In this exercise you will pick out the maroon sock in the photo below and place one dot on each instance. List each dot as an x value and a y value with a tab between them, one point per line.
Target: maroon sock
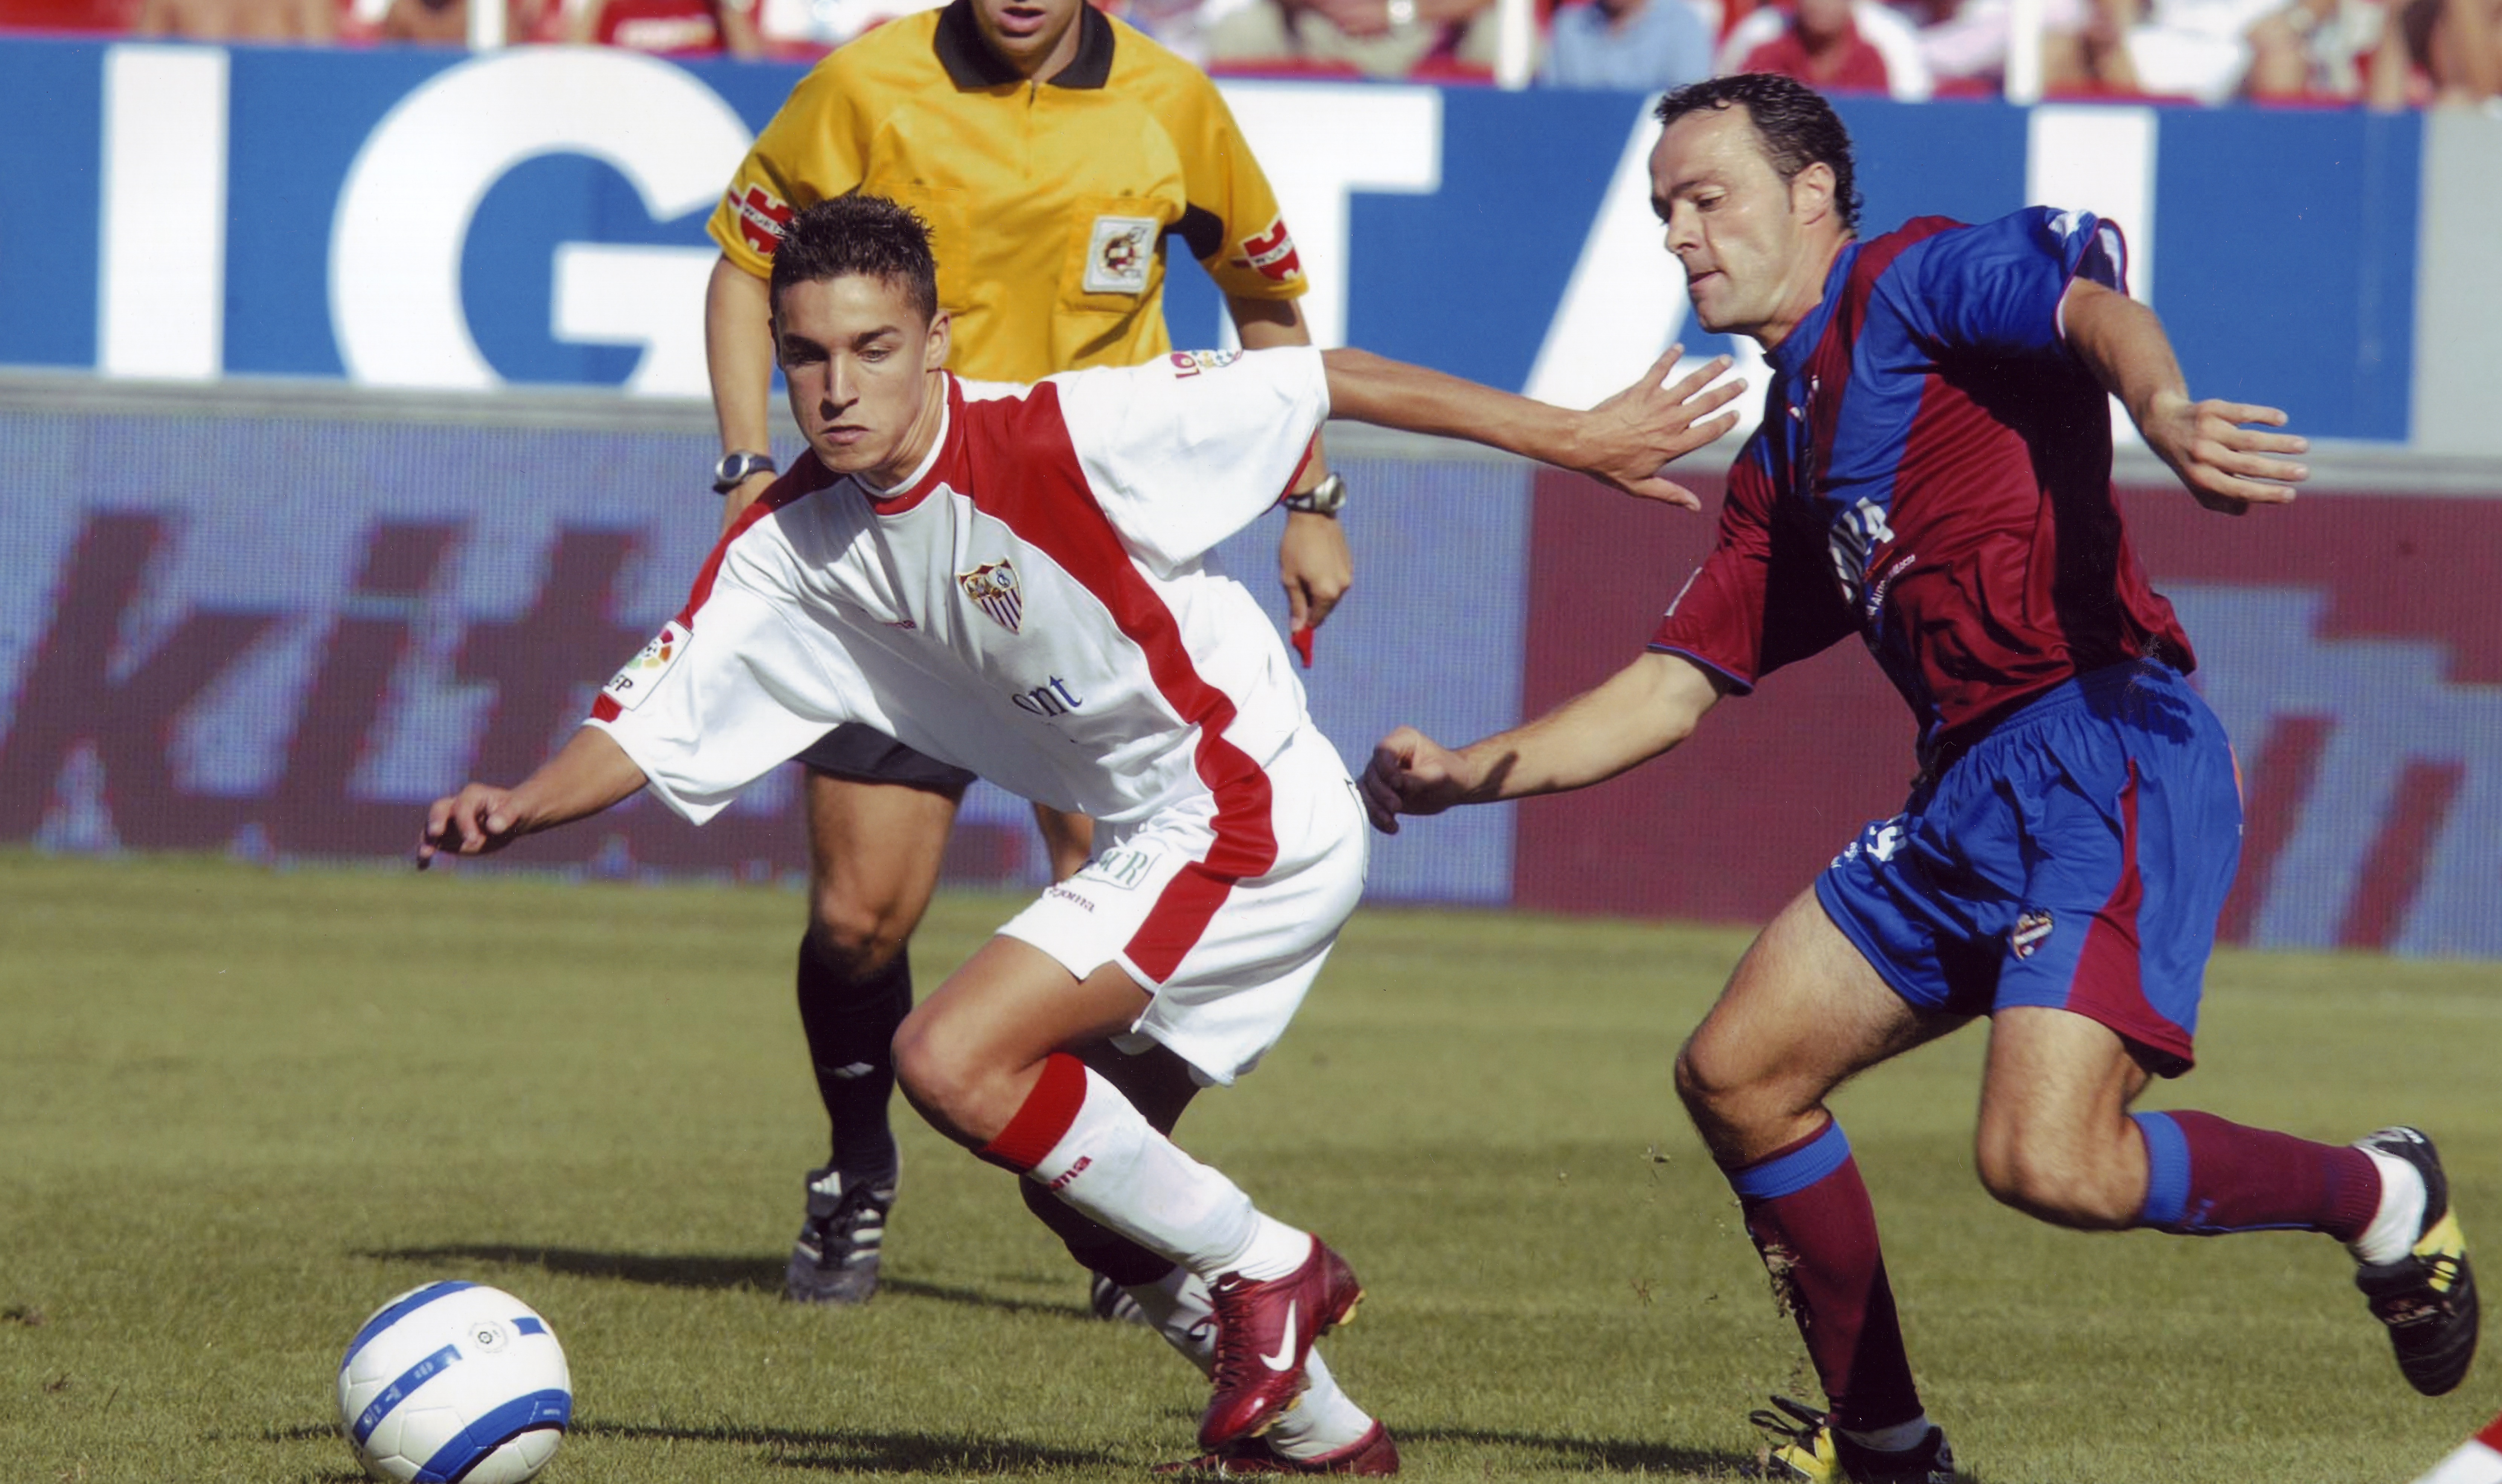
2206	1176
1811	1219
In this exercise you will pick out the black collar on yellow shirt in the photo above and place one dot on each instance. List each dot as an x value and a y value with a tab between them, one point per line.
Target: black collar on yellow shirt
970	62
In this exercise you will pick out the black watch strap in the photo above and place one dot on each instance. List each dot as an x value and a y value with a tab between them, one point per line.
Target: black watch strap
736	469
1322	499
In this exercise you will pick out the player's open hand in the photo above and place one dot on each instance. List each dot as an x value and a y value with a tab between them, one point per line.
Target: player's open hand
2225	465
1631	436
1411	773
476	821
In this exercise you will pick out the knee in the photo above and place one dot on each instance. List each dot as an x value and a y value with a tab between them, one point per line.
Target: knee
2067	1182
933	1071
854	936
1722	1095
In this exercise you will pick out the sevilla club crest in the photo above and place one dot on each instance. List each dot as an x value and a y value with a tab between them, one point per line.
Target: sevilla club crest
995	589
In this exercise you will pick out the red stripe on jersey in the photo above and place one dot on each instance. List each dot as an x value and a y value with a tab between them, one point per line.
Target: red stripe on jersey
806	477
1013	459
2492	1436
897	502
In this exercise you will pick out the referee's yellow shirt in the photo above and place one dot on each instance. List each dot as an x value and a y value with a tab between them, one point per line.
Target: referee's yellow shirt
1048	203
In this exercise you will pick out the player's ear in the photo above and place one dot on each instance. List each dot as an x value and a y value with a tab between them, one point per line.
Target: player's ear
1812	192
933	352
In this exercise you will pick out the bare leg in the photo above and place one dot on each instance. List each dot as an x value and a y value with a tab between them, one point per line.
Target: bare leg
1802	1014
2055	1140
1068	838
874	856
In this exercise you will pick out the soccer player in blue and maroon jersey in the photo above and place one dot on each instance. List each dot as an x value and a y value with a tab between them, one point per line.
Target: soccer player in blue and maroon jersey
1933	474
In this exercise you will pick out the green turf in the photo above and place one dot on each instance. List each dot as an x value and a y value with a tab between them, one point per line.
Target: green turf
239	1108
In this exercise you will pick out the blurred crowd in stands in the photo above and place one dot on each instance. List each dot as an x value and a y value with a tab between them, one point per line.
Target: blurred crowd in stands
2387	55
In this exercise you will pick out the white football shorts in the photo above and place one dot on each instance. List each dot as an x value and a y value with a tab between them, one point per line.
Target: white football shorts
1247	952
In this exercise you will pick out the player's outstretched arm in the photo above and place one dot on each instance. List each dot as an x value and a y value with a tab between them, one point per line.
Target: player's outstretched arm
589	773
2226	465
1636	713
1313	560
1624	441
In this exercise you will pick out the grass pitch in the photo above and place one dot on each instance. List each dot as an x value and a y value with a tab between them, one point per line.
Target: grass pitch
240	1108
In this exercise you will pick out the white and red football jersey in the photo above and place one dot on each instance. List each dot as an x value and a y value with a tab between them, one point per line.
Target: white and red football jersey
1034	604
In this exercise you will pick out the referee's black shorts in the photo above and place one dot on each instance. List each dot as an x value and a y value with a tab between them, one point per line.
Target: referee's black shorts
867	755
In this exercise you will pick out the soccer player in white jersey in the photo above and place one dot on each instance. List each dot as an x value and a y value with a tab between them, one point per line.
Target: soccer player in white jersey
1013	579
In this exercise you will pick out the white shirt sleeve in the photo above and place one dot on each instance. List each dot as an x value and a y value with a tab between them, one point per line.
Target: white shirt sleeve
1185	451
714	704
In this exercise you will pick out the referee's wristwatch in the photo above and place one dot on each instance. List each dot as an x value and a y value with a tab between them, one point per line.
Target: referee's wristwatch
1322	499
736	469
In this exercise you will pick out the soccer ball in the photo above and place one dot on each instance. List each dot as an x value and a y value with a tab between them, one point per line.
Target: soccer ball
455	1381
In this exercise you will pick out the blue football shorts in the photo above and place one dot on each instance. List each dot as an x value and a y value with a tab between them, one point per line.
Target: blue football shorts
2077	857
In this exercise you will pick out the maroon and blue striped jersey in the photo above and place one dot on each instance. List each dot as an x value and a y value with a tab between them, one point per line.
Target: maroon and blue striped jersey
1933	471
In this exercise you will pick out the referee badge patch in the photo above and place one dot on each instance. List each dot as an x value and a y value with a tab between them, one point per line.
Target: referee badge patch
629	685
1118	255
994	588
2031	930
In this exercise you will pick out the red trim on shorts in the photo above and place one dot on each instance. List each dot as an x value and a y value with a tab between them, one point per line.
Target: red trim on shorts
1044	1117
1019	464
2492	1436
2108	986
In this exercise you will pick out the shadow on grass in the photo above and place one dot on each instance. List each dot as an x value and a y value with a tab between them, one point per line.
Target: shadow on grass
715	1273
761	1274
1596	1455
881	1452
941	1454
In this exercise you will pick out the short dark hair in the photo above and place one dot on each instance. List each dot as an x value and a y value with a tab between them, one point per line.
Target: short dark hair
1797	127
857	233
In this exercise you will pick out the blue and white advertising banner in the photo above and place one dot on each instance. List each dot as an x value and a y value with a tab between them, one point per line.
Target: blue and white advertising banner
418	218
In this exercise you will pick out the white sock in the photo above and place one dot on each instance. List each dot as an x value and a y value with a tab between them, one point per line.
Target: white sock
1113	1166
2399	1221
1324	1421
1901	1438
1177	1307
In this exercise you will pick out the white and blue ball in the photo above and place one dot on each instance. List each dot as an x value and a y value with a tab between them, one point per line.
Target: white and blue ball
455	1382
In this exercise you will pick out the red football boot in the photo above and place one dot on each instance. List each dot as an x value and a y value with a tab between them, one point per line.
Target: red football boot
1374	1455
1264	1330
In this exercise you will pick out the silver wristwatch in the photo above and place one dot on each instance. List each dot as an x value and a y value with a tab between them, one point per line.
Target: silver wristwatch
1322	499
736	469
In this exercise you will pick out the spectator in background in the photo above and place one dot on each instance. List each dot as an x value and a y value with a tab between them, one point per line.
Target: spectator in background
1375	38
2216	50
1832	45
1965	45
1639	45
2437	51
813	27
678	27
446	23
261	20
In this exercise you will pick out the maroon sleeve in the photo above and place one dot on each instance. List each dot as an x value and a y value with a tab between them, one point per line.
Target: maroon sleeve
1763	598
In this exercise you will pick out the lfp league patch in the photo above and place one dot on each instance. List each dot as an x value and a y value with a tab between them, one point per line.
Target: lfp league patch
642	673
